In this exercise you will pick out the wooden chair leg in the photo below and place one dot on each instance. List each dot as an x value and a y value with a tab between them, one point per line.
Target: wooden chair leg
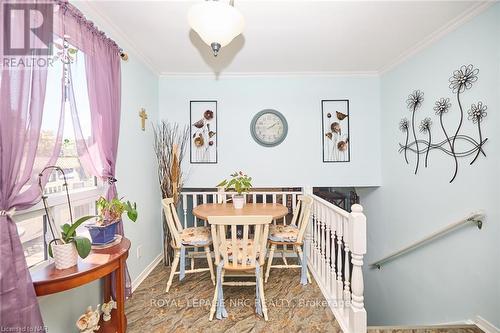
270	261
299	253
214	301
263	297
210	264
283	255
175	263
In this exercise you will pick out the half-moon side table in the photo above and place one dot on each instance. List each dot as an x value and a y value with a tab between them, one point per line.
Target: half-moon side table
99	264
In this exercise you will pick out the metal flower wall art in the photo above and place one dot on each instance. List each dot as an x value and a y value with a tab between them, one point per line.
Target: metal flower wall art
455	144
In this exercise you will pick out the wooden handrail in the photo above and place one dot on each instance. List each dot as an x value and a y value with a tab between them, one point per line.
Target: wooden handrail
473	217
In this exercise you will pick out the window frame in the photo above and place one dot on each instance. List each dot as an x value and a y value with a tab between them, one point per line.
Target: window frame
55	201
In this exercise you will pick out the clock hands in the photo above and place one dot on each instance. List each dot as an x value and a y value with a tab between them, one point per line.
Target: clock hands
272	125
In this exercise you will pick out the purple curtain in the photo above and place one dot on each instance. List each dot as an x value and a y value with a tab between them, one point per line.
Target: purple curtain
22	96
103	75
98	153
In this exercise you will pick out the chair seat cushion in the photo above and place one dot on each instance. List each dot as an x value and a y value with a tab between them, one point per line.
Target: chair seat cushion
229	247
196	236
283	233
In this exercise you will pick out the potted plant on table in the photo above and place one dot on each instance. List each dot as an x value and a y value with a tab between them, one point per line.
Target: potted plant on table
239	182
66	249
110	213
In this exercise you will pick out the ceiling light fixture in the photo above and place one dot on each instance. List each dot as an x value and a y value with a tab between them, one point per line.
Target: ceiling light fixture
216	22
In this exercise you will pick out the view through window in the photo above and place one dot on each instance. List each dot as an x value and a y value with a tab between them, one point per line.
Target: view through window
33	228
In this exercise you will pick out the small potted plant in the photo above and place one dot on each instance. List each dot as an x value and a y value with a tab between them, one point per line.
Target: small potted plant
66	249
239	182
110	213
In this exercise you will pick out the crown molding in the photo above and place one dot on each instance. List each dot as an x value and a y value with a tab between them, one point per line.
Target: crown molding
128	45
268	74
452	25
474	10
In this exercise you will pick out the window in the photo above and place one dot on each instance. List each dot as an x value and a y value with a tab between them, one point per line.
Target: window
84	189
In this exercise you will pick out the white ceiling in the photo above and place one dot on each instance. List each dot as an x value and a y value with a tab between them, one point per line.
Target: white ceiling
287	36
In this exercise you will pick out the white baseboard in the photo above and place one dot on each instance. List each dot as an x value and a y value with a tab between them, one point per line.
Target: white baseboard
486	325
144	274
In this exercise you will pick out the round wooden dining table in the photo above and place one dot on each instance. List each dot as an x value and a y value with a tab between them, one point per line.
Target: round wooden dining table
275	210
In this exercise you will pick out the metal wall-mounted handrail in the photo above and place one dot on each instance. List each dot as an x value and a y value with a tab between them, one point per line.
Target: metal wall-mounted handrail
476	218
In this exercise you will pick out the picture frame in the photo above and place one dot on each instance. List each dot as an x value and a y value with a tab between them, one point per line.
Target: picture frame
203	132
335	131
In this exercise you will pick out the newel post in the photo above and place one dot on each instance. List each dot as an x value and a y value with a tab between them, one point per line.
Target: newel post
357	242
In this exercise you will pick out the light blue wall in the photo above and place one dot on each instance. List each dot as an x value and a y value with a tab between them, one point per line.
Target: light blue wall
137	181
296	161
457	277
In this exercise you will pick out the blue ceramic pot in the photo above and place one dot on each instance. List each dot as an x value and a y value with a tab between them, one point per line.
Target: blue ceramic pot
102	234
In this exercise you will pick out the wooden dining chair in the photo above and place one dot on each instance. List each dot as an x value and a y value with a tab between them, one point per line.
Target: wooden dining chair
183	238
242	254
291	234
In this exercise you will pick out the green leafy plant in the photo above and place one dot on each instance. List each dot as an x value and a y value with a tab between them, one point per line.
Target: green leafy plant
68	235
111	210
239	181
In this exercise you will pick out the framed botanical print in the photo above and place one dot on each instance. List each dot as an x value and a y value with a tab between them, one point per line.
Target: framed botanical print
335	130
203	139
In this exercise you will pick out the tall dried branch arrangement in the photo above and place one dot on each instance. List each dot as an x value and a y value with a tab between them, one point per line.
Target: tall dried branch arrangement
170	143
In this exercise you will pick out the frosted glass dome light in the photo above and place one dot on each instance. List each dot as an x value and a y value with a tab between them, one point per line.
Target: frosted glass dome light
217	23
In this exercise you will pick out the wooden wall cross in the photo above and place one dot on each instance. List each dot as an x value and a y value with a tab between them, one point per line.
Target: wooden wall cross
143	115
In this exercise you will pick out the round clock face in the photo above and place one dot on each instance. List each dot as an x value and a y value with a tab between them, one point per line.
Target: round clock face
269	128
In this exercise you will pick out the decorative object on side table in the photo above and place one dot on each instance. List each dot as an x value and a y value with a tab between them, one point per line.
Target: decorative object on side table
106	310
89	321
66	246
335	130
66	249
203	124
170	144
239	182
461	80
103	231
269	128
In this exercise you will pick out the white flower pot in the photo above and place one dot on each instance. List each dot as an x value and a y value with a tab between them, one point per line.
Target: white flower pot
65	255
238	201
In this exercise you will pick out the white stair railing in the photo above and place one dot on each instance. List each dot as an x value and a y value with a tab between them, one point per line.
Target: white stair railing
337	243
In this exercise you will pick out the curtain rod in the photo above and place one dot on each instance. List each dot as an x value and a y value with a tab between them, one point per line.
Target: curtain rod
80	17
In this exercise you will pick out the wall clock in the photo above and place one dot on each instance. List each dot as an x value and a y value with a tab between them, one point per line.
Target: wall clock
269	128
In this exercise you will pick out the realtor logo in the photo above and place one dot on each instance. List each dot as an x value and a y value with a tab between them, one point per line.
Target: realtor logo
28	29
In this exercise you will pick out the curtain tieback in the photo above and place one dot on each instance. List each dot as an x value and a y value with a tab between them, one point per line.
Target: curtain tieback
8	213
112	180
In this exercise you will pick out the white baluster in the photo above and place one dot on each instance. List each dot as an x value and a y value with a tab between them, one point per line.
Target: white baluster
204	202
283	200
184	208
357	234
340	287
332	273
195	203
221	196
323	235
318	240
313	233
328	251
347	283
